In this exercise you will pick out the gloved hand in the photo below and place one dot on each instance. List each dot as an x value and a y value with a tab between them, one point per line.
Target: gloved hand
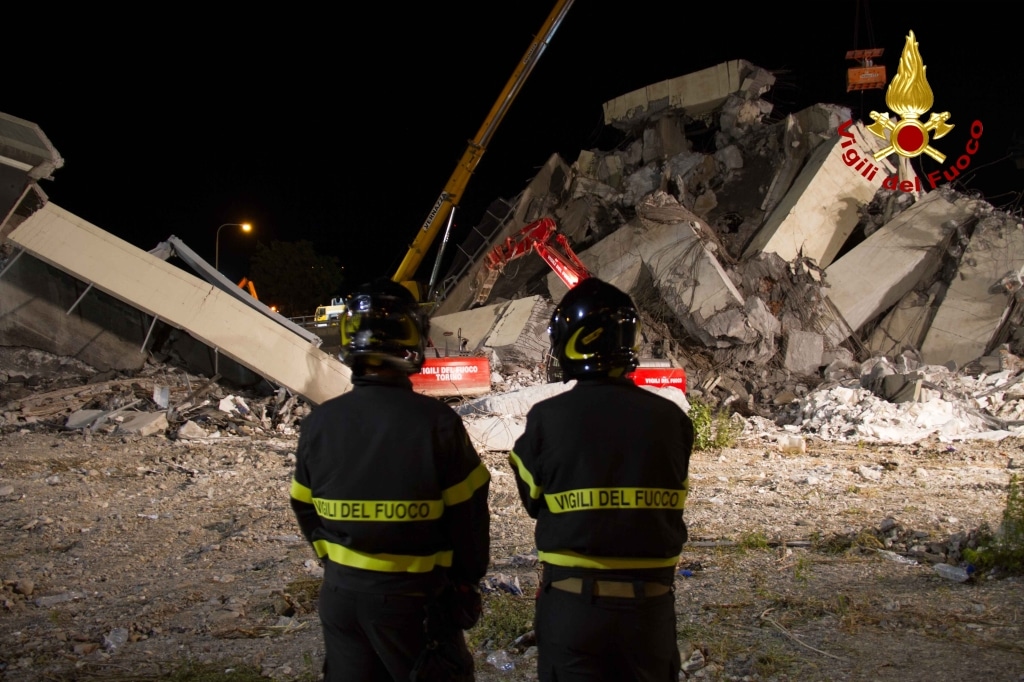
455	608
466	606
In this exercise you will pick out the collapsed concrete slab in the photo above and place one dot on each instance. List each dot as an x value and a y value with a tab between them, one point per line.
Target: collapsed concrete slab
697	93
682	266
879	271
904	326
820	211
165	292
978	300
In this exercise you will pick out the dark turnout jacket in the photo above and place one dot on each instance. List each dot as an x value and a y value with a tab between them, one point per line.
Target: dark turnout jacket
389	490
603	468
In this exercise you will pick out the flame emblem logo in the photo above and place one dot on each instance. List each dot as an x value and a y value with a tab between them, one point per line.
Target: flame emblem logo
910	96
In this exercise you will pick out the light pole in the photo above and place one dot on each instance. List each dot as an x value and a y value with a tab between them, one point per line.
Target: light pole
216	245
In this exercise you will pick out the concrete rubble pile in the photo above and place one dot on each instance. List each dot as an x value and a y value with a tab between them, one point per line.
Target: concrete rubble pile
773	258
41	389
767	264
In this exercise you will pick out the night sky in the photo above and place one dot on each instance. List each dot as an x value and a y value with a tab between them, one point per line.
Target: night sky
342	126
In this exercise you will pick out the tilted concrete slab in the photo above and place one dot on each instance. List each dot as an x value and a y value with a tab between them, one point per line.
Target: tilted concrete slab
879	271
117	268
473	325
697	93
521	333
975	305
820	210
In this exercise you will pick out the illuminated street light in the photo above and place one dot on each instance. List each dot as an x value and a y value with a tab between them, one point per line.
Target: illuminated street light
246	227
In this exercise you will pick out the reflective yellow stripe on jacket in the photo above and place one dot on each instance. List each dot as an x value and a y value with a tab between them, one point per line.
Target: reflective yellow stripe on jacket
389	511
387	563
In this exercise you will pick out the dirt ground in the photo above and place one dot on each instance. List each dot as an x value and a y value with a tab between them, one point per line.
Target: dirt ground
801	566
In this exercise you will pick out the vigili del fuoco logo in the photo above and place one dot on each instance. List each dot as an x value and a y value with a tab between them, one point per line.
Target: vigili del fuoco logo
910	97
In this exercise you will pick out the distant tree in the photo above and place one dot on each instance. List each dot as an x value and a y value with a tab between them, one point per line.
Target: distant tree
294	277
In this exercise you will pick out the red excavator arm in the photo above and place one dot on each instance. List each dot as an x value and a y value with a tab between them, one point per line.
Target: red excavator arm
537	236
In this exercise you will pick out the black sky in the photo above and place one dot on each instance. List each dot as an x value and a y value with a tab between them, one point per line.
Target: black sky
341	127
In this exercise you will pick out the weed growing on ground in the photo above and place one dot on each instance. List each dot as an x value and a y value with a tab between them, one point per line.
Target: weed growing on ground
713	428
505	618
753	540
1003	550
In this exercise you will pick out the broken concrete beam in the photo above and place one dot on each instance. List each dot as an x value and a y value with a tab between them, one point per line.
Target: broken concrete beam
684	269
144	424
803	132
696	93
103	332
520	334
820	210
804	352
879	271
975	305
904	326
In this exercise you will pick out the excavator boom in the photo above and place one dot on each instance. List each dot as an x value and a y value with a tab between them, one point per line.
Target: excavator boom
453	190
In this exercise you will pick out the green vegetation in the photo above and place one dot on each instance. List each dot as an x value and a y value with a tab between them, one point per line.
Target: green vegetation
753	540
1003	551
713	428
505	618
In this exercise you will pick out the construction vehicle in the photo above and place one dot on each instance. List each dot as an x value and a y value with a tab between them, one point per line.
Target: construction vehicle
537	237
247	284
327	315
460	375
443	209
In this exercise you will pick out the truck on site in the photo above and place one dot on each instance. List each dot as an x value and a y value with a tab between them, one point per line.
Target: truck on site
327	315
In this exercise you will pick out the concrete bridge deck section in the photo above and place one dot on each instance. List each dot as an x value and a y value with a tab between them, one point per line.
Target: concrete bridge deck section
182	300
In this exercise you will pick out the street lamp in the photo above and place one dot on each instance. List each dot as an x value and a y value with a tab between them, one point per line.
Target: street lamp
246	227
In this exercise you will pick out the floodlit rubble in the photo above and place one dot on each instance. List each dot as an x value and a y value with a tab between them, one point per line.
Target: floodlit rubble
774	258
145	499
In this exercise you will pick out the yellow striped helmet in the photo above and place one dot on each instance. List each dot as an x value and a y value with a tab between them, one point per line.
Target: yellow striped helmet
595	331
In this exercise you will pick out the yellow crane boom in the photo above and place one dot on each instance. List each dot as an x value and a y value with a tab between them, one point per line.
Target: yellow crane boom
453	190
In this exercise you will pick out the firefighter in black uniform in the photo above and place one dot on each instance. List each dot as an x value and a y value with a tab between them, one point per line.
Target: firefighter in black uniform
392	496
603	469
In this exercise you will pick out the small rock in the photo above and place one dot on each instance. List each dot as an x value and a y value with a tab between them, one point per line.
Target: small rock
190	430
695	662
869	473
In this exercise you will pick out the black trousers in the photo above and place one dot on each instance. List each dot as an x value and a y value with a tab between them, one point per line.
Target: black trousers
373	637
581	638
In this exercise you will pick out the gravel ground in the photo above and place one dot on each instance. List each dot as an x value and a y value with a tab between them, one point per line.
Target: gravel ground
814	565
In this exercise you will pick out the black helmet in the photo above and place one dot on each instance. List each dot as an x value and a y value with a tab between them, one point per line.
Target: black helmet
383	327
595	331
